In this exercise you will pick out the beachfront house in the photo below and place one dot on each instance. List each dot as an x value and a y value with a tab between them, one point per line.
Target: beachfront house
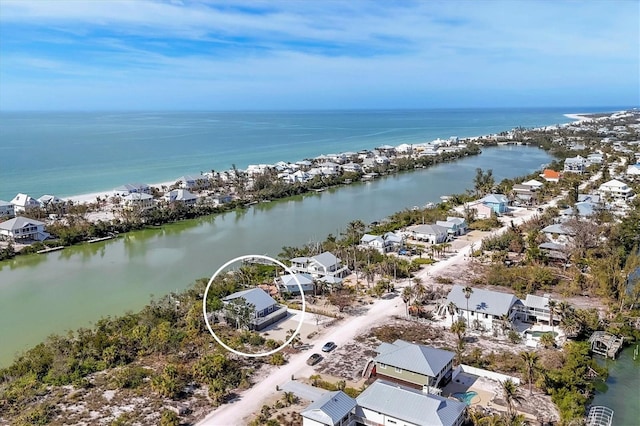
455	225
132	188
577	164
615	190
413	365
331	409
180	196
287	283
433	234
188	181
484	308
264	309
390	404
498	203
138	200
6	209
321	266
23	202
23	230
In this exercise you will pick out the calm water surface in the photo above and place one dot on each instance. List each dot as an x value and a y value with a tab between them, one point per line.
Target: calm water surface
44	294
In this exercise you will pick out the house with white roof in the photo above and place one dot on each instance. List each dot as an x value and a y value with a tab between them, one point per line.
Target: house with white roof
633	170
138	200
49	201
352	168
577	164
321	266
181	196
6	209
536	309
483	307
412	365
23	229
132	188
386	403
615	190
188	181
23	202
533	184
331	409
432	233
287	283
382	243
265	310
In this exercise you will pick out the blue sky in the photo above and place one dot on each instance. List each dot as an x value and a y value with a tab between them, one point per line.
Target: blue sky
260	55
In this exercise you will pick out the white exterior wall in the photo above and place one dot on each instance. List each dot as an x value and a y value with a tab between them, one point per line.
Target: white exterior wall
309	422
463	368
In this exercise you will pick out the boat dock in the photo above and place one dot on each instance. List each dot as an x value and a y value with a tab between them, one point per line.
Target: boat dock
50	249
600	415
97	240
605	344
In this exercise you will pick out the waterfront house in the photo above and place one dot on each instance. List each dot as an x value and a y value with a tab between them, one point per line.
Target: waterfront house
615	190
382	243
323	265
454	225
287	283
48	201
181	196
132	188
22	202
577	164
331	409
550	175
22	229
6	209
138	200
484	308
536	309
386	403
558	233
434	234
265	310
533	184
413	365
188	182
352	168
497	202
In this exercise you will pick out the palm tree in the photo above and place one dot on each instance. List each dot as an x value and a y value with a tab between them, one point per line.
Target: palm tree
452	309
459	327
510	394
553	305
530	364
407	294
467	294
289	398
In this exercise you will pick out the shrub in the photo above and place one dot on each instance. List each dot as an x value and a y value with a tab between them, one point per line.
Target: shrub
277	359
169	418
514	336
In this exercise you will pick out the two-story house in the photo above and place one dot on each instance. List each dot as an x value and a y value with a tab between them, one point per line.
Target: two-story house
382	243
23	229
23	202
454	225
331	409
615	190
412	365
484	307
181	196
6	209
498	202
323	265
577	164
432	233
264	309
289	283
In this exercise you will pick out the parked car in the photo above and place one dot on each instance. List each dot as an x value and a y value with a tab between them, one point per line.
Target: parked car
329	346
403	252
314	359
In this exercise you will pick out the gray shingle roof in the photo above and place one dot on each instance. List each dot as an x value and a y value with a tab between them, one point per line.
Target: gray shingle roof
429	229
410	405
255	296
411	357
484	301
330	408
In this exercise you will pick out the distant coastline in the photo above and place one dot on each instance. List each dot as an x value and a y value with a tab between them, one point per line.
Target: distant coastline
83	155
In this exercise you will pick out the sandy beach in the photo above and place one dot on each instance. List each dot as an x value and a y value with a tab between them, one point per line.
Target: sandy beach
578	118
91	196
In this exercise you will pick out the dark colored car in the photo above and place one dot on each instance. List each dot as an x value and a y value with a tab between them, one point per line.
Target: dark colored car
314	359
328	347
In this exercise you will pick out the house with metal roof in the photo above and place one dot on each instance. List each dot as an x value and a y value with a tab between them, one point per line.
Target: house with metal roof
22	202
615	190
484	308
331	409
577	164
181	196
287	283
264	309
23	229
6	209
454	225
323	265
386	403
558	233
498	202
536	308
413	365
382	243
131	188
431	233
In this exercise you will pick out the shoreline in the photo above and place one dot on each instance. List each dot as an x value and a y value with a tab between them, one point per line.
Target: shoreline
90	197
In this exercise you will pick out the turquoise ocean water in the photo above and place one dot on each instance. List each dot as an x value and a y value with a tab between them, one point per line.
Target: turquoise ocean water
72	153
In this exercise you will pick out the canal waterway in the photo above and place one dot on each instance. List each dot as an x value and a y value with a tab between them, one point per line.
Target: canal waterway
52	293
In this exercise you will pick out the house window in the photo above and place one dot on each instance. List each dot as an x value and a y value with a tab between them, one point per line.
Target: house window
486	315
398	370
383	366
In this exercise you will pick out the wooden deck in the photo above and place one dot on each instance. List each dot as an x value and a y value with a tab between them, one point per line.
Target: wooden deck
605	344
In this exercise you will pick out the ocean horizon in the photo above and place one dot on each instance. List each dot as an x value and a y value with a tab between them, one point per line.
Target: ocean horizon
72	153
